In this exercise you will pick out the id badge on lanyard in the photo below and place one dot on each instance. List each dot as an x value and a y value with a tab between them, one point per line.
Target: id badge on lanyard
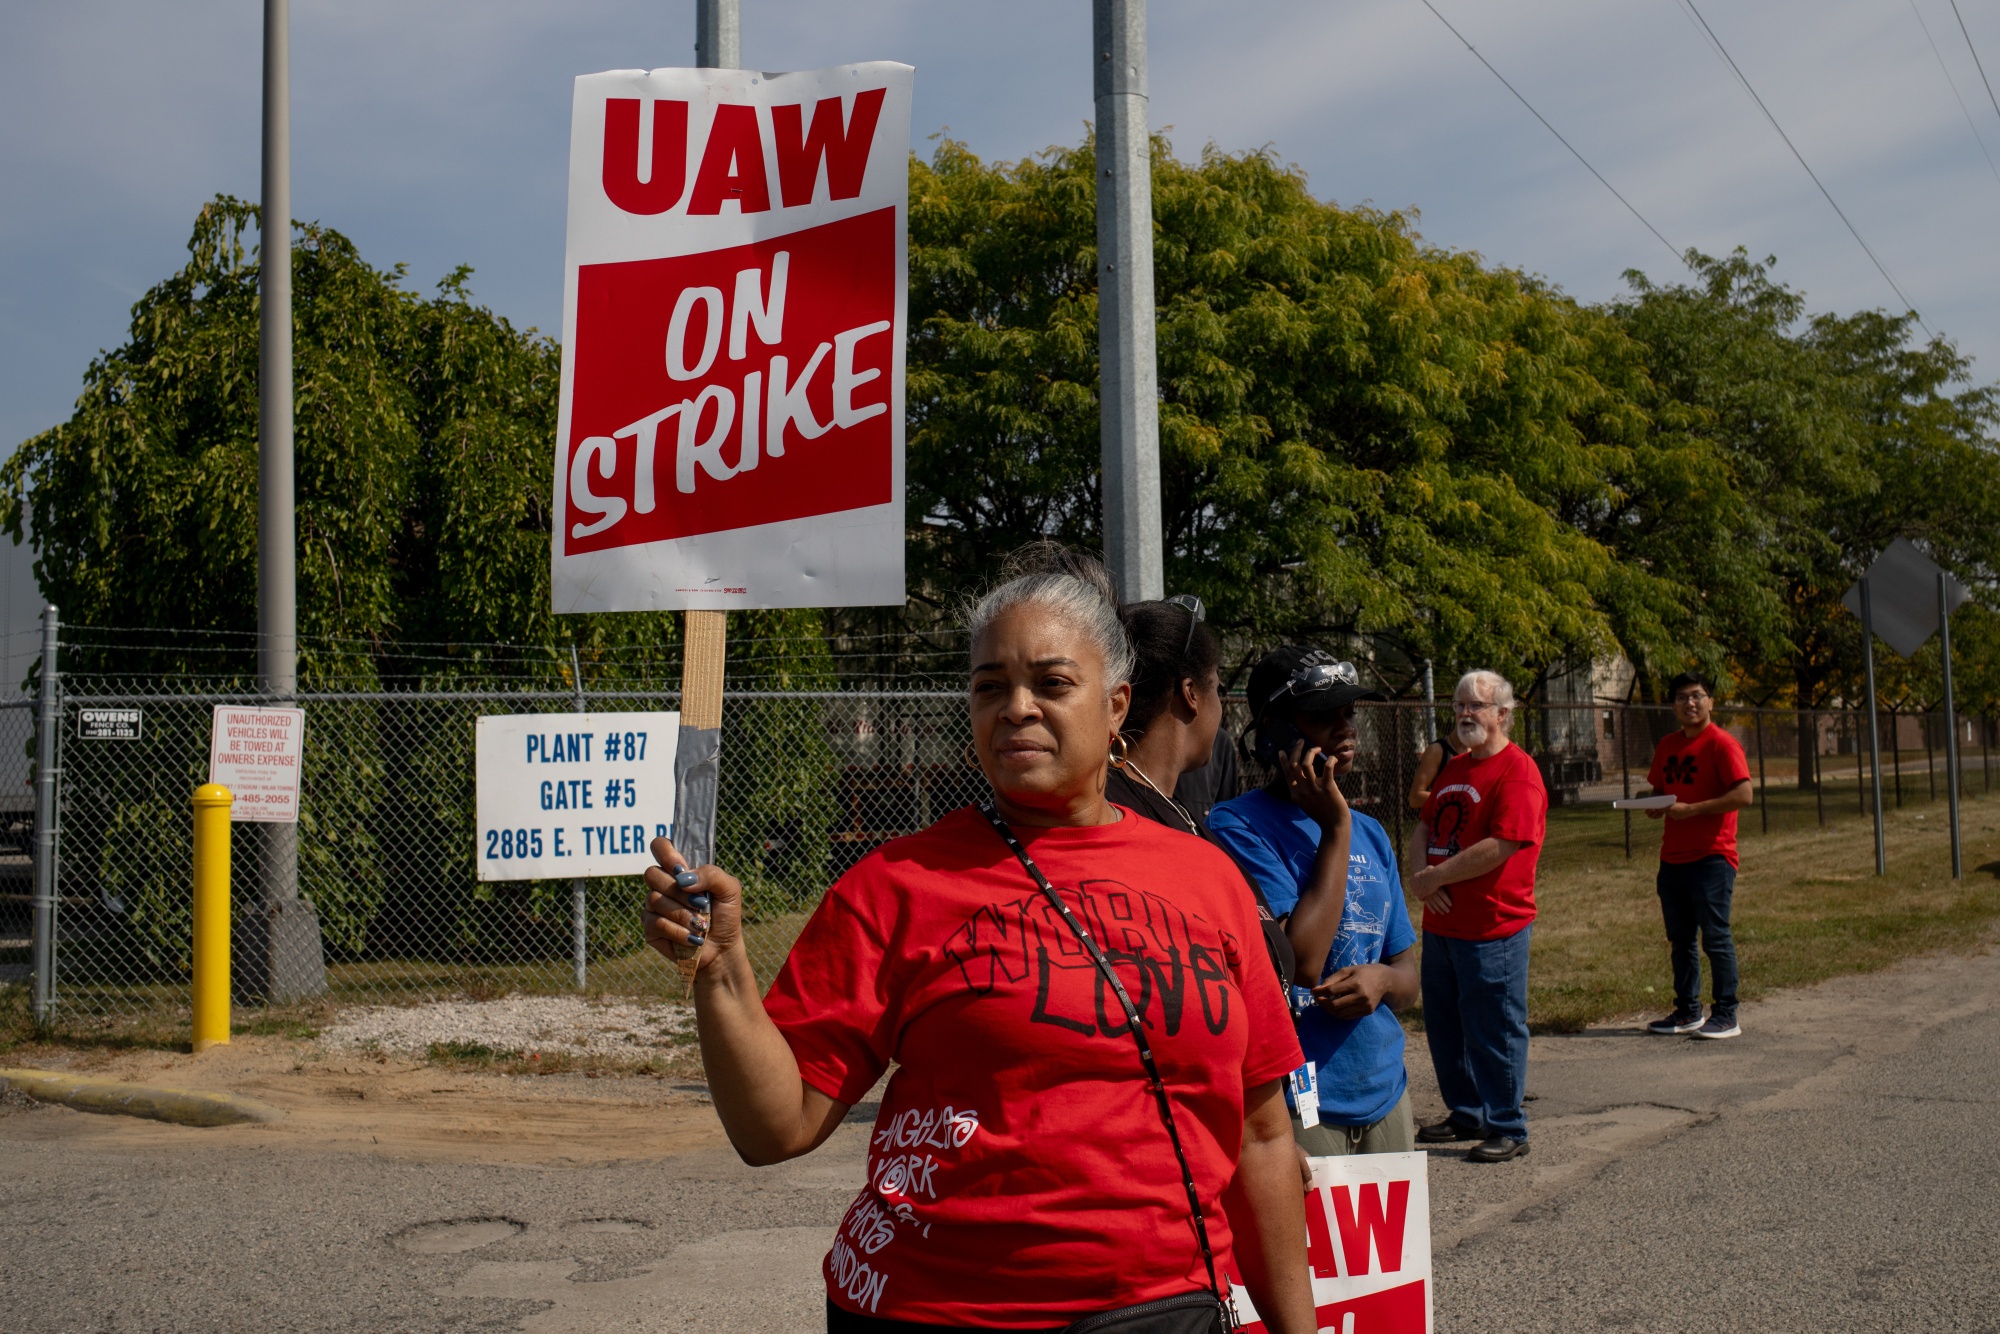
1302	1091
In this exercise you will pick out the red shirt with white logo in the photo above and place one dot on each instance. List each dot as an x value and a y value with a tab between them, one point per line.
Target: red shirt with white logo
1698	770
1020	1175
1472	800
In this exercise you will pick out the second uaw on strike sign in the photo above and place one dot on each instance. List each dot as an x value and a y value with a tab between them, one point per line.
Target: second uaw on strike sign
731	428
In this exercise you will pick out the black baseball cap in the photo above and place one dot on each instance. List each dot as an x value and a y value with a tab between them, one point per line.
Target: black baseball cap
1304	680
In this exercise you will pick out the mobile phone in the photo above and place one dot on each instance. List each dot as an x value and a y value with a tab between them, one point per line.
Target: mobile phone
1275	736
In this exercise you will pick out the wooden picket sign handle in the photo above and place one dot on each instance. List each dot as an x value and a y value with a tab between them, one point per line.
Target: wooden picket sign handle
702	637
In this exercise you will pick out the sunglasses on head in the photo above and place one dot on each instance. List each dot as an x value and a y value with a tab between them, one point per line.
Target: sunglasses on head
1196	614
1314	677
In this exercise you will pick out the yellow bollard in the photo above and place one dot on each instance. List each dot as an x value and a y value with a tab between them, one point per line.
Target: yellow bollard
211	915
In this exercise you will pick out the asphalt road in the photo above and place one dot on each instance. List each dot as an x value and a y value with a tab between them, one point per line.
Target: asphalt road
1834	1169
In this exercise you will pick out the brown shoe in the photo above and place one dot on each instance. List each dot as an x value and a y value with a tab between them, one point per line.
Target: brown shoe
1497	1149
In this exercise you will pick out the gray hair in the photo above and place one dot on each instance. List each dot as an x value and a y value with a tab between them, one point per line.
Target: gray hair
1068	585
1499	690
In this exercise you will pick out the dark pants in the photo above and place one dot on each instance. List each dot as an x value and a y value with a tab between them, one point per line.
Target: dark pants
1476	1021
1694	896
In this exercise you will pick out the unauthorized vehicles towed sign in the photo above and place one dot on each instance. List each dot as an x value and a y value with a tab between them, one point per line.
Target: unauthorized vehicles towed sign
730	431
573	794
256	754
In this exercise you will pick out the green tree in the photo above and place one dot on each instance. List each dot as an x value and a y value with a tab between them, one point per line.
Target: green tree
1361	435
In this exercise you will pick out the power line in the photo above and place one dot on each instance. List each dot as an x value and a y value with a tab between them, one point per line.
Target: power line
1557	133
1953	83
1975	57
1852	230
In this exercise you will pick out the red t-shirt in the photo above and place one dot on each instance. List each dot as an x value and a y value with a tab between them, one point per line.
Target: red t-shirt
1698	770
1020	1175
1474	799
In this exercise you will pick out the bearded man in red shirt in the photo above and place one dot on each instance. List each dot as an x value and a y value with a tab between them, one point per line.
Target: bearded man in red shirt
1704	769
1478	840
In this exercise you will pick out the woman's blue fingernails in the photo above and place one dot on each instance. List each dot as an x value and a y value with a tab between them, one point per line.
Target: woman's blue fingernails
685	878
699	902
695	940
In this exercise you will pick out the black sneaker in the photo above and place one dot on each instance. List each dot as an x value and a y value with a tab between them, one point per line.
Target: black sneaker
1497	1149
1445	1131
1720	1027
1680	1021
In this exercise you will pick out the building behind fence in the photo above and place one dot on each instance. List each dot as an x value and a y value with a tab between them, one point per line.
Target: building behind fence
811	781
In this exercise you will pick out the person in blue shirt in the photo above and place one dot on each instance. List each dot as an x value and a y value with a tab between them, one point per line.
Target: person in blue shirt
1330	874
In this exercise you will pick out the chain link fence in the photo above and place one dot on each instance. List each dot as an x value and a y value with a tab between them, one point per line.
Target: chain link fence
811	781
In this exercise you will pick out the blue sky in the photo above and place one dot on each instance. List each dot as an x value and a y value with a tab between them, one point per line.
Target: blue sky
434	133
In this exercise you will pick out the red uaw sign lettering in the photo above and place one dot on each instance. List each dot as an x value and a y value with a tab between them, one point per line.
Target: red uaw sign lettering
1368	1245
731	422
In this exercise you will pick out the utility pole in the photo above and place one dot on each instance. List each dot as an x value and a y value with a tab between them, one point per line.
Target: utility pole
1128	372
718	34
292	958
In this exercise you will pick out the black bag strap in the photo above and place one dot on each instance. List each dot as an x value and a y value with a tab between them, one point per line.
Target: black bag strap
1138	1030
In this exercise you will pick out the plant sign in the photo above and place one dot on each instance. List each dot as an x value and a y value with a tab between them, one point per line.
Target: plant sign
730	433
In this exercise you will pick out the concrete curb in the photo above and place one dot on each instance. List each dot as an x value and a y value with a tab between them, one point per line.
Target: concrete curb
181	1107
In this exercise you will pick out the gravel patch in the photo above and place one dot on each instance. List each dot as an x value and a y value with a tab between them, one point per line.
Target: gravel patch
568	1024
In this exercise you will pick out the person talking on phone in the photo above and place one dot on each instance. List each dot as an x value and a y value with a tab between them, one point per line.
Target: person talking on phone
1330	872
1089	1056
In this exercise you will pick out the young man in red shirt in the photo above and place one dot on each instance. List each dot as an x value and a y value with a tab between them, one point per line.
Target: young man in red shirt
1478	839
1704	769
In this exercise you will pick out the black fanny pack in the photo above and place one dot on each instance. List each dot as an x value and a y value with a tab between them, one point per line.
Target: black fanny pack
1185	1313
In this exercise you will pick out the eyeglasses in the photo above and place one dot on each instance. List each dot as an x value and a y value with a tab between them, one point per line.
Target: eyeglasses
1475	706
1196	614
1691	697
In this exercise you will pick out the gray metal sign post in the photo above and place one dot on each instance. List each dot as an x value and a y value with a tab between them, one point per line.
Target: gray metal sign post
1128	372
1874	727
718	34
1950	723
293	963
1917	599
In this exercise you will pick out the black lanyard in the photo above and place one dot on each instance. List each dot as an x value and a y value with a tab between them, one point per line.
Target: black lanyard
1138	1030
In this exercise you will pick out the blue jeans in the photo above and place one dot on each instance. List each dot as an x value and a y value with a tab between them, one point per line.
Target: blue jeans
1694	896
1476	1021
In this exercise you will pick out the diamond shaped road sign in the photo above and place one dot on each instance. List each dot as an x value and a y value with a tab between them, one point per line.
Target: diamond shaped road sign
1903	597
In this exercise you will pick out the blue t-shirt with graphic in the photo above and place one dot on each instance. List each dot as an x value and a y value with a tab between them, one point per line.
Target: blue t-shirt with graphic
1360	1061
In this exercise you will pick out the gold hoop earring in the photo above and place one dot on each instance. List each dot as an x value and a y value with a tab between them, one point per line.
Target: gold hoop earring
1122	754
971	756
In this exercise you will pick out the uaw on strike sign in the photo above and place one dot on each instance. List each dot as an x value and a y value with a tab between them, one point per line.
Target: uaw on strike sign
1368	1246
731	424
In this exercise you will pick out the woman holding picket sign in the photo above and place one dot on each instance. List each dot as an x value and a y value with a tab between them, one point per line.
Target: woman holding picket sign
1089	1051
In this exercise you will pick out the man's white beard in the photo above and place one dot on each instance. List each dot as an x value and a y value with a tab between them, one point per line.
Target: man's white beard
1472	732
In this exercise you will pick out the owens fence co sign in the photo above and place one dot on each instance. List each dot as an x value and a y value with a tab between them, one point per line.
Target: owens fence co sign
730	432
109	724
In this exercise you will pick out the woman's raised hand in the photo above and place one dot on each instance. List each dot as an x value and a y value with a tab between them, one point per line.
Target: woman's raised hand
1312	786
691	914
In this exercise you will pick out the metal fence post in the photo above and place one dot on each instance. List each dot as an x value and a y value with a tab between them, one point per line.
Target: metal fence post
579	908
1819	779
1763	783
48	726
1625	768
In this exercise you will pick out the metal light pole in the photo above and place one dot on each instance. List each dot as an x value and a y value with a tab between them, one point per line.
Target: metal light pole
1950	723
1874	727
1128	373
277	573
718	34
294	965
48	728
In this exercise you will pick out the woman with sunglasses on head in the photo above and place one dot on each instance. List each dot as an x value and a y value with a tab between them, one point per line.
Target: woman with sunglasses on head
1049	1149
1170	734
1330	872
